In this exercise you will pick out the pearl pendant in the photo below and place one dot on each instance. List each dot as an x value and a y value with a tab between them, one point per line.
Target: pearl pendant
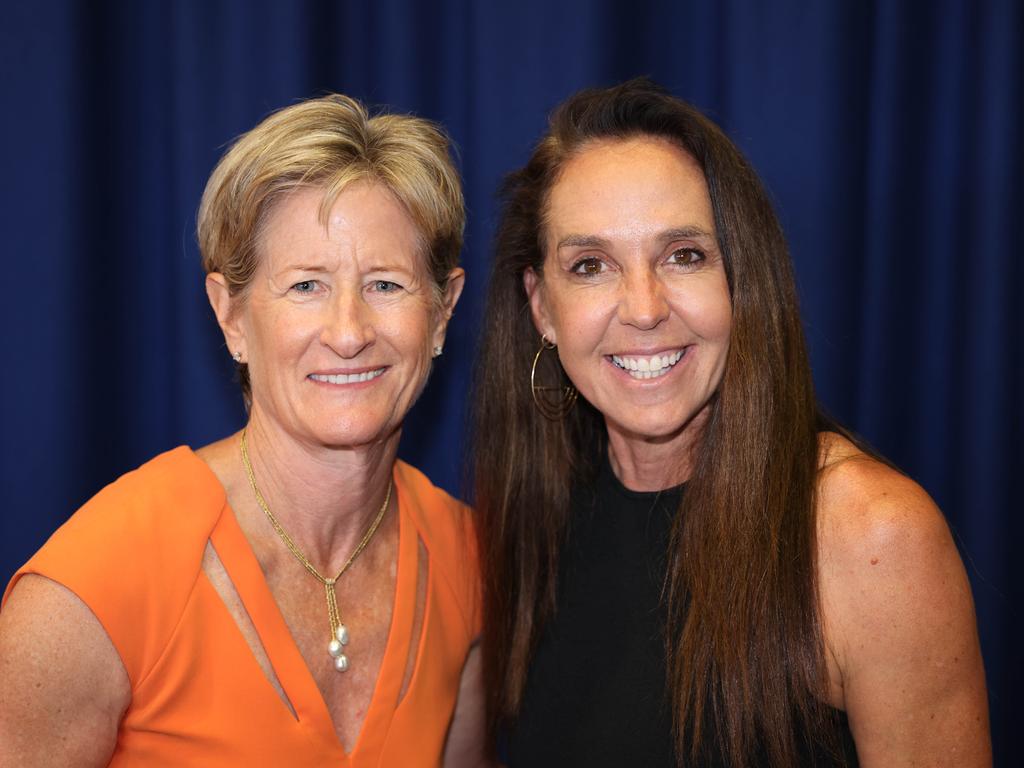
336	646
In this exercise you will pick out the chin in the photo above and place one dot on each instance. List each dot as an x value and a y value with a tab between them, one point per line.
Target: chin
652	427
351	435
648	434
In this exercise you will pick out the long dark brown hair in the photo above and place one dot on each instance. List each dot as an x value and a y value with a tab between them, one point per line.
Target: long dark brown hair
744	646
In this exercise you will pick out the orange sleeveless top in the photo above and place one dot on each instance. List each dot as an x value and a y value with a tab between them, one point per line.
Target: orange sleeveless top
133	554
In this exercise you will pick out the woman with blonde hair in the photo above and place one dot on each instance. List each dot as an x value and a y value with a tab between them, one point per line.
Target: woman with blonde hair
292	594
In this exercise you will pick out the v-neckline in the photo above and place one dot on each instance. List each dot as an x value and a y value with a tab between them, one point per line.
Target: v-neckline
290	667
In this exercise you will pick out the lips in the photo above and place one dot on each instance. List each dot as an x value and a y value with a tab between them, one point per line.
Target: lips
648	366
346	378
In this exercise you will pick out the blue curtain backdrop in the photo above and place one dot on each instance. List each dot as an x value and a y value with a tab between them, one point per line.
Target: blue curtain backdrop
889	133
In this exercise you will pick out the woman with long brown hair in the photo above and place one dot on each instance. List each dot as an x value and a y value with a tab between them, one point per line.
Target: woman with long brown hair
687	563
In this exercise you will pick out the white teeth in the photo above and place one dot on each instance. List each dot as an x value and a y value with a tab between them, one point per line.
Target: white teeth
648	367
346	378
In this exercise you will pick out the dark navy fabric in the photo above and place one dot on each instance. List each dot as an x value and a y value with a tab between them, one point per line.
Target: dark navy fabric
890	135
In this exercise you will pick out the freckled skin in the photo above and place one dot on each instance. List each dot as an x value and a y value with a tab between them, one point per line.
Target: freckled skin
346	296
901	639
353	296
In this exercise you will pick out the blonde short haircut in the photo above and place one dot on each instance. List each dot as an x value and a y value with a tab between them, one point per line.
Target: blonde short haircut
329	143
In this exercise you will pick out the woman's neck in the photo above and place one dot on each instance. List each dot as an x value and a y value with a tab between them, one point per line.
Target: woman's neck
325	498
644	463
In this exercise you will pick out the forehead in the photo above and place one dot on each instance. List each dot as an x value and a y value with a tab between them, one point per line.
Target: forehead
624	187
363	219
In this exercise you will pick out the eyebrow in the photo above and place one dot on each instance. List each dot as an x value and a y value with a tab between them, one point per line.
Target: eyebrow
683	233
383	267
595	241
302	267
582	241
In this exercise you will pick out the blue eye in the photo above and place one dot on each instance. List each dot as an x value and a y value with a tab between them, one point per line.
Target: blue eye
385	286
306	286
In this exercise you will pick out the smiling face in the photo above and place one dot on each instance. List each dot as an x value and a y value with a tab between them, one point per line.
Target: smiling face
634	291
338	323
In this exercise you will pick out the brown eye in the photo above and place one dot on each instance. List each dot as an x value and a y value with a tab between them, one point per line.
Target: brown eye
686	256
588	266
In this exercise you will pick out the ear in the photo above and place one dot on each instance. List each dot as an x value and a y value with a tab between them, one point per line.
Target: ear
452	291
225	307
534	286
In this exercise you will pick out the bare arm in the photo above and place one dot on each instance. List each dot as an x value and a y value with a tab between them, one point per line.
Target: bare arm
465	746
900	623
64	686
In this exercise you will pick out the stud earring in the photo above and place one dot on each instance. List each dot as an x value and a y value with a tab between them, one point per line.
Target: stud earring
237	357
438	350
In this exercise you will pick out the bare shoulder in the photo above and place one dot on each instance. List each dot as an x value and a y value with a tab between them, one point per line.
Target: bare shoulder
868	508
65	688
220	456
904	656
223	459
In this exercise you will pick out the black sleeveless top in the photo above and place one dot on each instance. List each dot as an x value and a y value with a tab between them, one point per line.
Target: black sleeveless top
596	693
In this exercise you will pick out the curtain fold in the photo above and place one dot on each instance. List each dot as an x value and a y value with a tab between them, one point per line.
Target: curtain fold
890	135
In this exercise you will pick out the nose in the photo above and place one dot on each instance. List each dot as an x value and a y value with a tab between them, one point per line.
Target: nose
642	301
347	326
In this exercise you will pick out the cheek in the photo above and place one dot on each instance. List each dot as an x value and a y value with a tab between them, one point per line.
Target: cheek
283	334
411	334
719	322
708	312
580	319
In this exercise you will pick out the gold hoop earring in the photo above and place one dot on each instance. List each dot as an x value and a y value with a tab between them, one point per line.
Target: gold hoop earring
553	402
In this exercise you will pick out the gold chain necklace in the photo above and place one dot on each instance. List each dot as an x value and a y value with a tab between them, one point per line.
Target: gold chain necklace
339	632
